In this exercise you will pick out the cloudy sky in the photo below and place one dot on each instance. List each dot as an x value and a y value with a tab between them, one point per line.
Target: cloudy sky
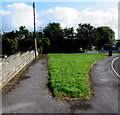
68	14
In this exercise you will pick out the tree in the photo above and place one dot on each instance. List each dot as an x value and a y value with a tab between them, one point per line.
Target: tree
106	36
86	35
54	32
26	45
69	42
9	46
69	33
43	45
10	35
23	32
22	40
18	34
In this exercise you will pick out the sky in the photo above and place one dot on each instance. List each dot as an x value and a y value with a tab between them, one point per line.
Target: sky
68	14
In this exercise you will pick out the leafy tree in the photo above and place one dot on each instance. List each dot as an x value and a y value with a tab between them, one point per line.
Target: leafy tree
9	46
54	32
25	45
18	34
55	39
106	36
69	44
10	35
69	33
40	33
86	35
43	44
25	41
23	33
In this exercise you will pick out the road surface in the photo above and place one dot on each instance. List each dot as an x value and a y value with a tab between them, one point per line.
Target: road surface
116	65
32	95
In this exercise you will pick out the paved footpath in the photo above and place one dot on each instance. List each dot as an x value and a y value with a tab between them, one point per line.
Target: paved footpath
32	96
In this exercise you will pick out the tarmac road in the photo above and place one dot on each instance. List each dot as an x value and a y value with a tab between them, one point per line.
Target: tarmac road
116	65
32	94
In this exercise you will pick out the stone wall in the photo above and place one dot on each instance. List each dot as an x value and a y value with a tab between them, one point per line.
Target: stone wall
10	66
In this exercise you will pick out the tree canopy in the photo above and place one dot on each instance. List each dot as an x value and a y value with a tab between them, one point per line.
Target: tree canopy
54	32
54	38
86	35
106	36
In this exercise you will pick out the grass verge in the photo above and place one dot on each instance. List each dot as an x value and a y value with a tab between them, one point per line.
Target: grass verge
69	74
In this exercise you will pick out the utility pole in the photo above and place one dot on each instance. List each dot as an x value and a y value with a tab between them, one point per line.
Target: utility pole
34	30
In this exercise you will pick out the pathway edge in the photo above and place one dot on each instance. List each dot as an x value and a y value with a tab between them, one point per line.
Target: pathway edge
113	67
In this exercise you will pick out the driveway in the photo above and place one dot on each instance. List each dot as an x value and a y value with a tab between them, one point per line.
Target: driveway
33	96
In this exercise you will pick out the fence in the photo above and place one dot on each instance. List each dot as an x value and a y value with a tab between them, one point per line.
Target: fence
10	66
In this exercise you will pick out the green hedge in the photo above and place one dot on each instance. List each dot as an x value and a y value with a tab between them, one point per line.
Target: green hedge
9	46
12	46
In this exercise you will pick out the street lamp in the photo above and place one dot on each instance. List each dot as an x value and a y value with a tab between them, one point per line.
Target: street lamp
34	30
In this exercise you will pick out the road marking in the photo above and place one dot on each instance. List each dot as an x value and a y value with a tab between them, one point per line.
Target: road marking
113	67
104	79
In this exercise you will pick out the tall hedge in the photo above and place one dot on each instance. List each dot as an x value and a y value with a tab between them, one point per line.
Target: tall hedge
9	46
25	45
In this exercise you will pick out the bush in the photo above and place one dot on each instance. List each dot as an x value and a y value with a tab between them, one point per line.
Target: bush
26	45
43	45
9	46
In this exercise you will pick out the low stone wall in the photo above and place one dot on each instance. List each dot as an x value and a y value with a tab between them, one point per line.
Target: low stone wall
13	64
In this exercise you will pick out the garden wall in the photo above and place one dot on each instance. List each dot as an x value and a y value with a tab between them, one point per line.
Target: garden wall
11	65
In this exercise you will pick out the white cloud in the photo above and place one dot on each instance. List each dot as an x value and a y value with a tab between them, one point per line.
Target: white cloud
5	12
19	14
70	17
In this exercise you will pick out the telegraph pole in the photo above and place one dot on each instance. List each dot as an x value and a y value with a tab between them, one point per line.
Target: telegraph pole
34	30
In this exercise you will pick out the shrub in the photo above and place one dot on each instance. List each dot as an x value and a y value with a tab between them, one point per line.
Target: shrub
26	45
9	46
